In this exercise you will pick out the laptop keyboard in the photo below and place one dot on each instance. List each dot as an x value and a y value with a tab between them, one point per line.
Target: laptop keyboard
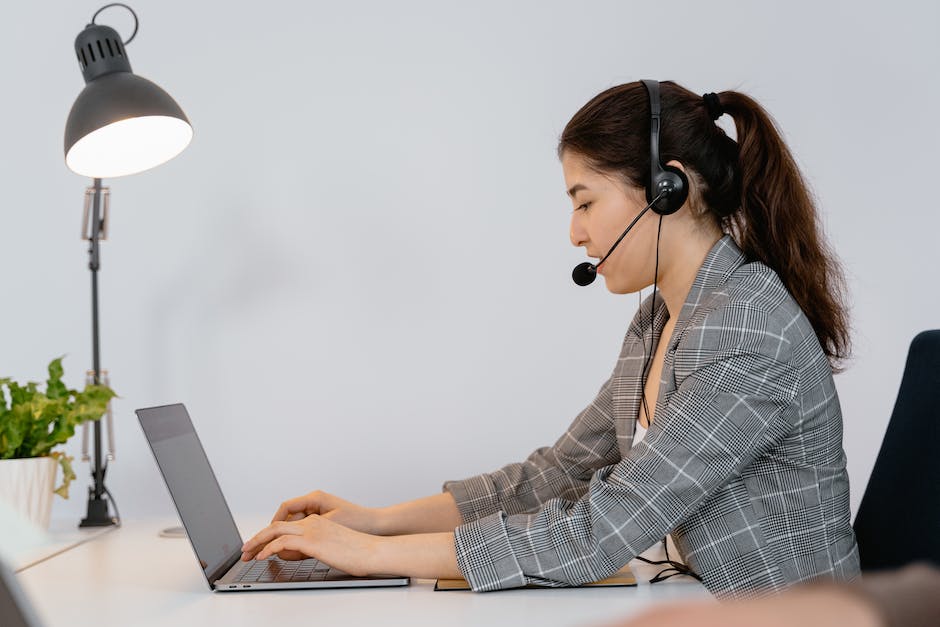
277	570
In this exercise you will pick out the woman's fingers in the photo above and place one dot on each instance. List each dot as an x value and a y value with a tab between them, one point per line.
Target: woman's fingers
268	534
289	509
334	544
270	548
282	543
301	506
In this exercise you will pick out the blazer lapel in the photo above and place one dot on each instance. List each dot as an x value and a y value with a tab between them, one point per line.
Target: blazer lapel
627	385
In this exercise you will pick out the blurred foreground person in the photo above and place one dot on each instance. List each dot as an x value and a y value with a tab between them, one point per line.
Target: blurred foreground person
909	597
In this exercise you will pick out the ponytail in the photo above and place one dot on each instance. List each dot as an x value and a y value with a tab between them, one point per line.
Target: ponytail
777	224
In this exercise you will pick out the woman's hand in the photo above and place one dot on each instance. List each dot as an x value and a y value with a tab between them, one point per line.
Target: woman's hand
314	536
364	519
427	555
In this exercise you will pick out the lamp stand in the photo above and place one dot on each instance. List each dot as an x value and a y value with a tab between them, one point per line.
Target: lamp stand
97	505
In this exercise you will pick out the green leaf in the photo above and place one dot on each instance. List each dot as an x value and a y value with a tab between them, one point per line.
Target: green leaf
68	474
14	429
54	386
20	395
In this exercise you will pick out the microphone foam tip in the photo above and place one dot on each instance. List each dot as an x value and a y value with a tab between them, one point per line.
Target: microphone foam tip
584	273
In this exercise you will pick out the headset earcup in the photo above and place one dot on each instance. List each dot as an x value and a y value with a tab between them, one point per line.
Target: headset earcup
670	178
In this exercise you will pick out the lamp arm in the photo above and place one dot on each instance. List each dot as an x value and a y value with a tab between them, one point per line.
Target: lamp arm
97	506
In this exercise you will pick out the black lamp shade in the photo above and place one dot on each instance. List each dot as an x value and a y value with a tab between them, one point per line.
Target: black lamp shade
121	123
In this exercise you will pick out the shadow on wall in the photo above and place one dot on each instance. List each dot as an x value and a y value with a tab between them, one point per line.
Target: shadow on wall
242	271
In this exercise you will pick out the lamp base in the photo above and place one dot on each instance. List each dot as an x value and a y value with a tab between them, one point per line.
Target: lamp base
97	514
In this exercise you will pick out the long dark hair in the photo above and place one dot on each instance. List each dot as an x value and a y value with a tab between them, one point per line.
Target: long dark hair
752	187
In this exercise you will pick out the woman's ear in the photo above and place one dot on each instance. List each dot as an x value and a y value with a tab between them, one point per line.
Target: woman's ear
677	165
692	199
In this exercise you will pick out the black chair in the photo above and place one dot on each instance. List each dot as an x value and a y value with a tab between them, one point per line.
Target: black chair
898	521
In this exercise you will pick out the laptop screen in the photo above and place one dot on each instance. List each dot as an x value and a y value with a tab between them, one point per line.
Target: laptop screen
193	486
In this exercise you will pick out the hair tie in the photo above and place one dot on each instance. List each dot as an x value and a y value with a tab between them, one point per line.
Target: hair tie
713	105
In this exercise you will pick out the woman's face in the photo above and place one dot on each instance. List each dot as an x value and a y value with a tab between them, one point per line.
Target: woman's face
603	207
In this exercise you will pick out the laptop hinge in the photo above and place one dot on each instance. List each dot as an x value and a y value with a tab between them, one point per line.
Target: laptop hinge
224	568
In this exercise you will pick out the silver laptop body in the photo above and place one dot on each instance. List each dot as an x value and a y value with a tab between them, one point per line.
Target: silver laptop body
209	523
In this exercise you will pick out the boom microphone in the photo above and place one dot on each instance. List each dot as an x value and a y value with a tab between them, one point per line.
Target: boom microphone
585	273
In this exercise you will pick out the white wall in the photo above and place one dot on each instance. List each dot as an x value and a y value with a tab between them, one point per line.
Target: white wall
357	275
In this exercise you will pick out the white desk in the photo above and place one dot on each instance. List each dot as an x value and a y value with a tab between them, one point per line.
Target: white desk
64	535
130	576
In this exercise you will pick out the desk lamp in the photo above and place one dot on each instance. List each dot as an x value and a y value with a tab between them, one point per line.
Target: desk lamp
120	124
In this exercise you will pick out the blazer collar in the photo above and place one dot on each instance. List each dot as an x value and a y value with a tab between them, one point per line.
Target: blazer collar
720	263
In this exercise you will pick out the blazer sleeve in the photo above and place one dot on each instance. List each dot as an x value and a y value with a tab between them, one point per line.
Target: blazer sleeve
563	470
727	412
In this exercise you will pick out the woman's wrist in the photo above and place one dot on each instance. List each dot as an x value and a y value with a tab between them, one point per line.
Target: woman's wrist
381	558
423	555
431	514
382	521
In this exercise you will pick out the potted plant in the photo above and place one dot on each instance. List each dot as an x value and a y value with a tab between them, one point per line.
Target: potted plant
32	423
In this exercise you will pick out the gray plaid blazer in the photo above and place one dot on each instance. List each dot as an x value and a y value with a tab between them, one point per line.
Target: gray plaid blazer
743	462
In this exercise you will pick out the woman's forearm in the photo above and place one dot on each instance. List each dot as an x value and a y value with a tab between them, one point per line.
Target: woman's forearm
431	514
422	555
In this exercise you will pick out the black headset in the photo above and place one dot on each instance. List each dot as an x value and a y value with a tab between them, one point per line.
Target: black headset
667	178
667	190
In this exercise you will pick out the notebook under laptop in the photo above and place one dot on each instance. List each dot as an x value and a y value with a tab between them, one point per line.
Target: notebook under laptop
209	523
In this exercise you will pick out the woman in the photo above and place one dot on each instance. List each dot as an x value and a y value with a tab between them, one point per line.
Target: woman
728	364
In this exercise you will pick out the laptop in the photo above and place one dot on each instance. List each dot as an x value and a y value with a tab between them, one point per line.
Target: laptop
209	523
15	609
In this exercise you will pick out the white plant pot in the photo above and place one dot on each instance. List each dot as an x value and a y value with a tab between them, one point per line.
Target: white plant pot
27	486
